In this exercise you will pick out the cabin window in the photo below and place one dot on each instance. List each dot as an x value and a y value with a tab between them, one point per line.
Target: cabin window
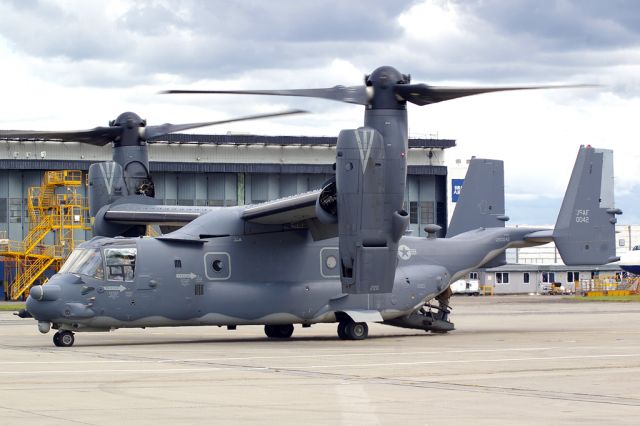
84	262
502	278
217	265
525	278
120	263
177	263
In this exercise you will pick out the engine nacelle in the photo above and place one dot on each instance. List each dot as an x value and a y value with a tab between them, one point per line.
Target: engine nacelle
327	203
106	184
110	185
370	184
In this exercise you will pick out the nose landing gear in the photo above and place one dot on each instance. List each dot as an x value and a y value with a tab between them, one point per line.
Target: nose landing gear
64	339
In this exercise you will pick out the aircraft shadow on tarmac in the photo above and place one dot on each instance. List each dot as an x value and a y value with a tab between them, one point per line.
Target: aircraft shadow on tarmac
260	339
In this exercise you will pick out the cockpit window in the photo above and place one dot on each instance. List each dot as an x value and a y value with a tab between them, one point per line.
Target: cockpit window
84	262
120	263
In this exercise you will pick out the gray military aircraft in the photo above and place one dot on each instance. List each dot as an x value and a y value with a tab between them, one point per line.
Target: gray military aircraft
338	254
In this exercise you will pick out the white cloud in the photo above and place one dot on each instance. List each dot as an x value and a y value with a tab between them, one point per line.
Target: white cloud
78	64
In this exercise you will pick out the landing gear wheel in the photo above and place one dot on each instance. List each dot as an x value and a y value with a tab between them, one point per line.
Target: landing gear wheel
342	334
356	330
280	331
63	339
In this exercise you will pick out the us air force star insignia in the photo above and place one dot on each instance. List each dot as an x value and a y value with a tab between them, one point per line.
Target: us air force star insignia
405	252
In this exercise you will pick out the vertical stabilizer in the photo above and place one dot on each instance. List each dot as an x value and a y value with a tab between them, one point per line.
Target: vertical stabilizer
481	201
585	230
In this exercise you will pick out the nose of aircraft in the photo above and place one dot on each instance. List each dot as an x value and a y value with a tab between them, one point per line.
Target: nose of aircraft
48	293
43	303
60	300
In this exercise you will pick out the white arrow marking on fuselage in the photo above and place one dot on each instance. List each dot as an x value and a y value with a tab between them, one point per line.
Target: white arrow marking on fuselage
119	288
190	275
364	145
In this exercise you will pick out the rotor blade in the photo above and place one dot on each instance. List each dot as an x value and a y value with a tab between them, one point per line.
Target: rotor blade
99	136
422	94
163	129
353	94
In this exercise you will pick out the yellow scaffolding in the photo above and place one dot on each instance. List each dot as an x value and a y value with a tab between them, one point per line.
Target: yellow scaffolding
54	207
609	285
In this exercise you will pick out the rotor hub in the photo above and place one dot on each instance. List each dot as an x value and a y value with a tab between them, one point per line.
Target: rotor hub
382	82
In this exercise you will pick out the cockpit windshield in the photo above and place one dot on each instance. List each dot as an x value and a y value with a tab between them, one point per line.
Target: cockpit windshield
84	262
121	263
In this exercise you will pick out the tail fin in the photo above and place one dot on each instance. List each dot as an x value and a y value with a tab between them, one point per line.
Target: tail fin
481	201
585	230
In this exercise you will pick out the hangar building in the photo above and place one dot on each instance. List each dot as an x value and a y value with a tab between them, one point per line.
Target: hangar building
218	170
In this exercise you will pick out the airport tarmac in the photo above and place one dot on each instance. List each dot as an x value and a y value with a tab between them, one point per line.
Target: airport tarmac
512	360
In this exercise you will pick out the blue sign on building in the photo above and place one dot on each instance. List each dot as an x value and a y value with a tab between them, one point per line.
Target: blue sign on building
456	188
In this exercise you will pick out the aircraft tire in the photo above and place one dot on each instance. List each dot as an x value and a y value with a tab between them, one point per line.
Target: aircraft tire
63	339
356	330
342	334
280	331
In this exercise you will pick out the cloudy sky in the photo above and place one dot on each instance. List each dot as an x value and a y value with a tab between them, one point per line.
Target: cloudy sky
74	64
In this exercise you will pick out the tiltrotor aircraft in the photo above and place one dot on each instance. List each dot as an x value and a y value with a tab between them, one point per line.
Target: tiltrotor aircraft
339	254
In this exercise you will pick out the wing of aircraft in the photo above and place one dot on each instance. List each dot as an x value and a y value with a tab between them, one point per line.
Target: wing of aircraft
297	209
293	209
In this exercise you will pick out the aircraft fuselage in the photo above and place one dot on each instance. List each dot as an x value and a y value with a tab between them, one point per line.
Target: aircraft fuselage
268	278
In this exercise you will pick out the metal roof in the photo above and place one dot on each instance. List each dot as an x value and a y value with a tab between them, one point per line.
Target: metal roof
532	267
205	167
183	138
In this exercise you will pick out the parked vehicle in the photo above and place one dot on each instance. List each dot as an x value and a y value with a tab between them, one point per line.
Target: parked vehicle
469	285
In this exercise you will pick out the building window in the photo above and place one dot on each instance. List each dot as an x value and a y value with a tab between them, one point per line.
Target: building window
573	276
15	210
473	275
3	210
502	278
259	188
548	277
413	212
441	214
525	278
426	212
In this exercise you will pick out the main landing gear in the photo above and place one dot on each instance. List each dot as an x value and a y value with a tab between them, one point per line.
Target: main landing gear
63	339
351	330
280	331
